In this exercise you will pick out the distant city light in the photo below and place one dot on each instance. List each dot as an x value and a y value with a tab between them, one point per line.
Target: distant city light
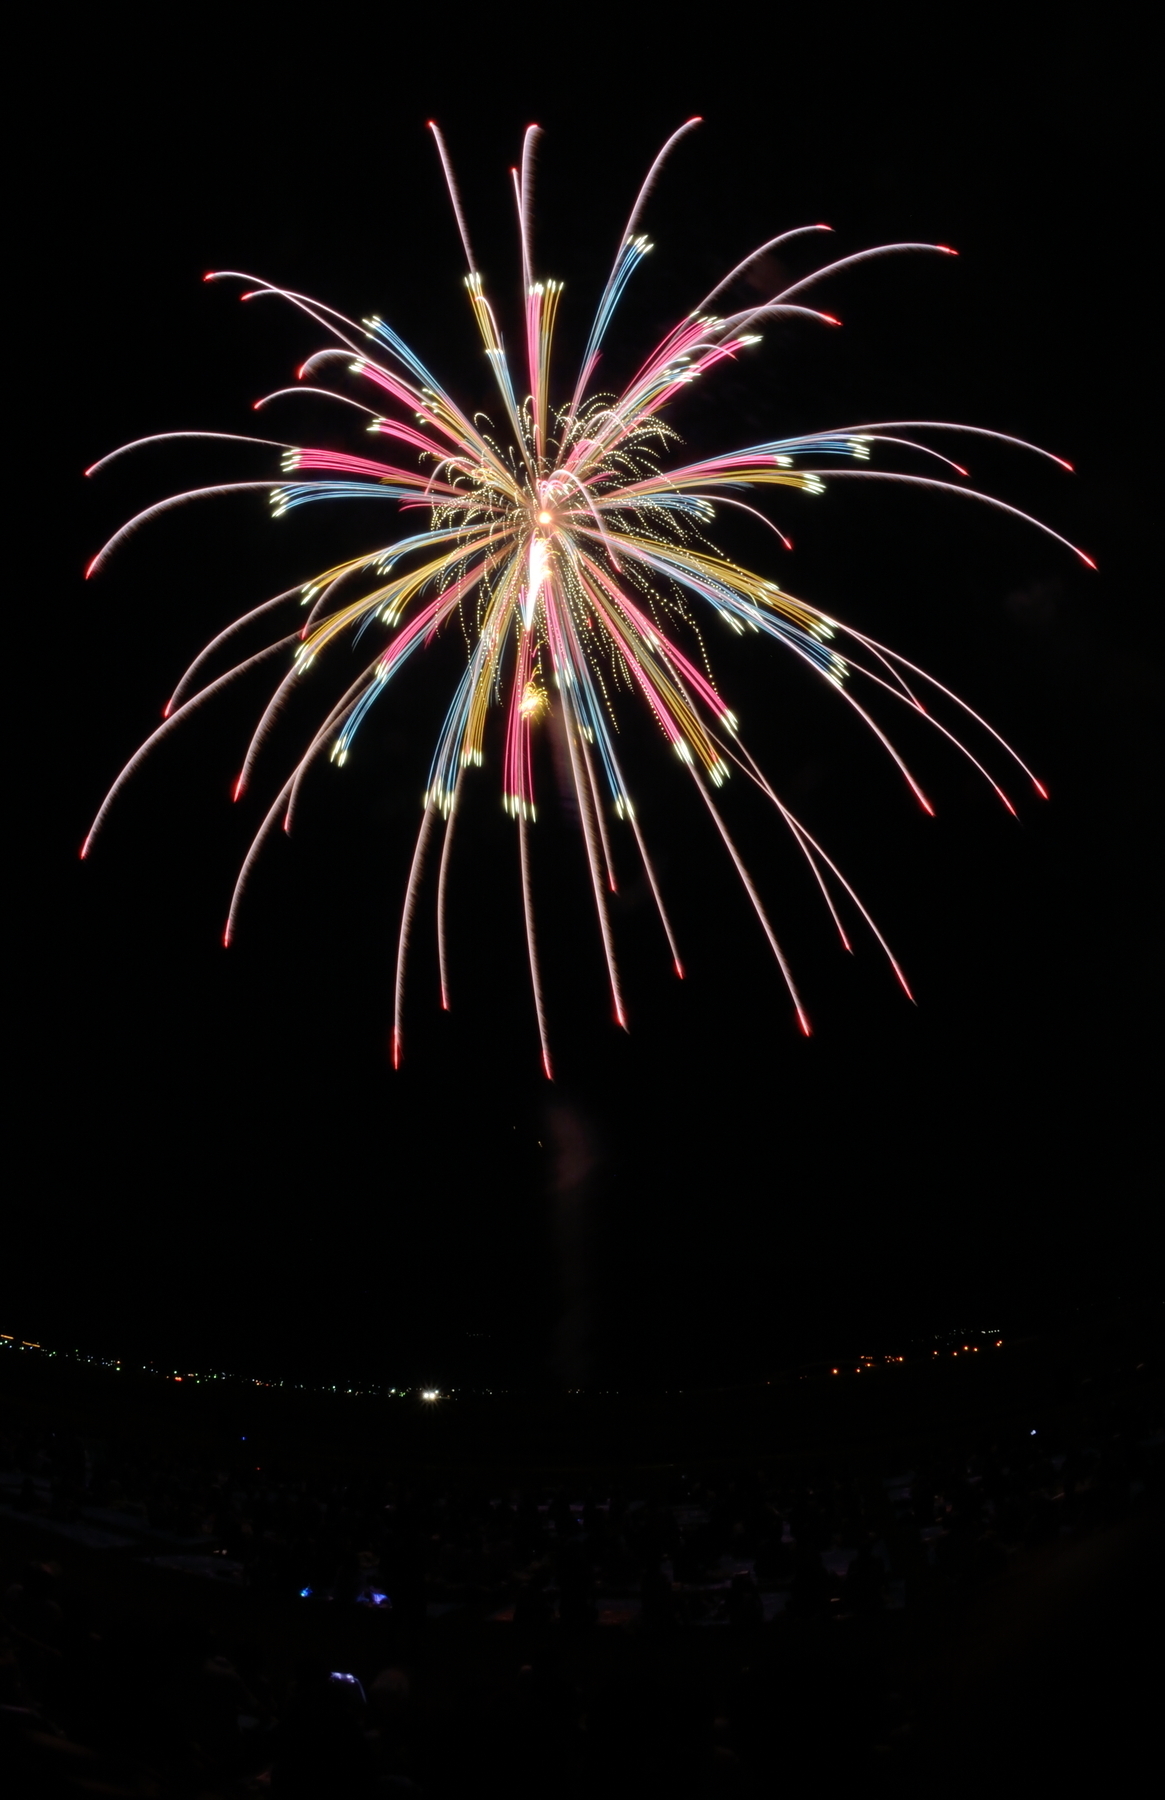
953	1343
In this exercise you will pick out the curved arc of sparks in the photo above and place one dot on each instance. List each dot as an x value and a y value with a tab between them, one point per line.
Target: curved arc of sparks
924	675
257	842
582	795
442	888
745	318
410	901
320	393
162	437
653	883
907	699
163	730
526	201
730	500
344	705
783	237
224	637
757	903
454	196
624	265
171	500
315	309
532	950
732	469
748	764
653	173
950	487
287	794
1002	437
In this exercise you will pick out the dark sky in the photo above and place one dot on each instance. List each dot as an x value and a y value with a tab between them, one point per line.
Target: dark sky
215	1159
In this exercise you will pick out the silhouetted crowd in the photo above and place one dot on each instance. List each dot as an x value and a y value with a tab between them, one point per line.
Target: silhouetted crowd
173	1628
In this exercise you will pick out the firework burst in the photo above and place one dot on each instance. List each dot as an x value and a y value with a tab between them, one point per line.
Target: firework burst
571	546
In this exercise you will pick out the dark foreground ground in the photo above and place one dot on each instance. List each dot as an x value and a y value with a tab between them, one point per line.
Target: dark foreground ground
937	1573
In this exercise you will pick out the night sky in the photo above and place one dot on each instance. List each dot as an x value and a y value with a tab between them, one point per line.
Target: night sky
212	1157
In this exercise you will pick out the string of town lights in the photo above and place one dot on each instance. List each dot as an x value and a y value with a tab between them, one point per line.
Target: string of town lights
196	1377
939	1345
